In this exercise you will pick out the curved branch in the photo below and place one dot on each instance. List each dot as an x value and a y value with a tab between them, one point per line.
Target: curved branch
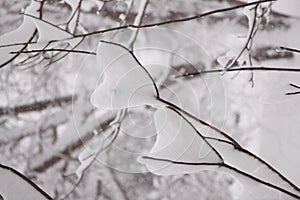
204	138
37	188
135	58
224	165
181	111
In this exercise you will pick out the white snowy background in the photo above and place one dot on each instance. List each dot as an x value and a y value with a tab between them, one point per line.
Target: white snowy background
47	121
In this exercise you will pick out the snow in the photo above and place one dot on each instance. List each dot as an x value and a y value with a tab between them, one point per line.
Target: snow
125	82
284	7
262	118
287	7
15	186
178	141
22	34
86	158
49	33
74	14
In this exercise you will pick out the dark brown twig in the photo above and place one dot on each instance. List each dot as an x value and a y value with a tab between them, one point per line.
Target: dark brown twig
231	168
175	20
51	50
293	50
239	69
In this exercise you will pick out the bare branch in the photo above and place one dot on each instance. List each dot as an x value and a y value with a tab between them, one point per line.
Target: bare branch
224	165
248	40
37	188
235	144
175	20
51	50
294	85
281	48
240	69
135	58
29	41
36	106
293	93
138	21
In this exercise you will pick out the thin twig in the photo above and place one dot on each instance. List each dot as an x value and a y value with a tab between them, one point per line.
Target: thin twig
78	16
293	50
175	20
235	144
17	44
49	23
138	21
60	50
199	134
239	69
37	188
116	180
294	85
66	54
148	25
135	58
293	93
95	156
248	40
224	165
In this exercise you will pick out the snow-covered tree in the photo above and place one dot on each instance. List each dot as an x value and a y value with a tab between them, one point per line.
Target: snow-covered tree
96	94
